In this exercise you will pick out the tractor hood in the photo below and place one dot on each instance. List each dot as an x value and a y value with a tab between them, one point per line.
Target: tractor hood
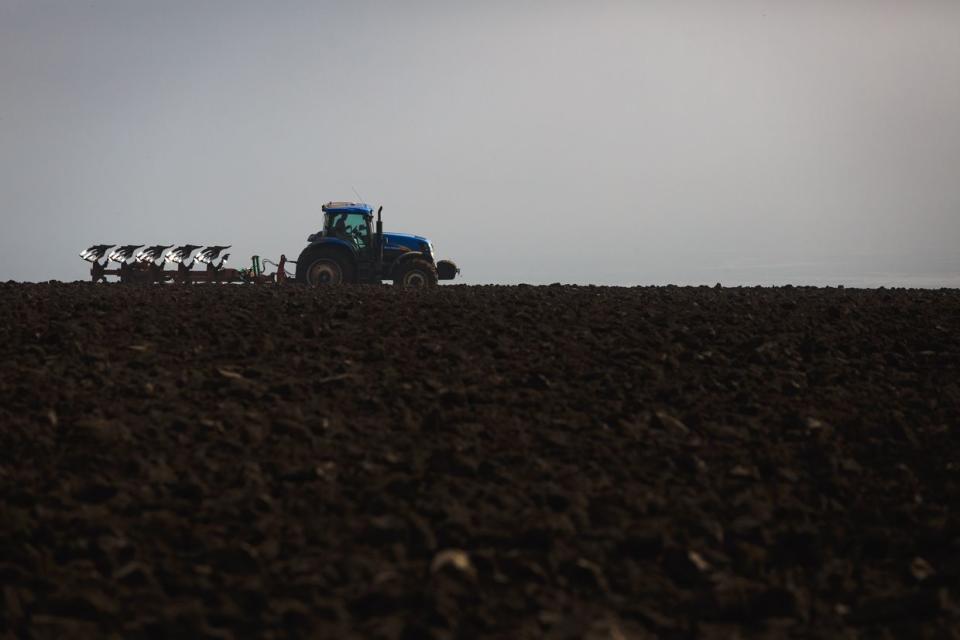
406	240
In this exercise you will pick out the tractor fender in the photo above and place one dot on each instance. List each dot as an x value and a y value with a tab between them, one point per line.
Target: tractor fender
337	242
403	258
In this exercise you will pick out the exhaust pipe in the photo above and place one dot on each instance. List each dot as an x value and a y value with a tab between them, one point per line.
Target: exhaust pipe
379	241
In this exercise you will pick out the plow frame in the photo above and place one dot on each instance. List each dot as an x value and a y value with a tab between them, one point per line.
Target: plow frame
153	273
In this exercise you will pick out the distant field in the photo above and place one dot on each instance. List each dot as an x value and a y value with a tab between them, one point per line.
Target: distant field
479	461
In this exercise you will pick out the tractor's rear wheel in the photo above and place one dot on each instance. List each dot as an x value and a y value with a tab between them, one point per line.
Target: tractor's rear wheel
322	267
415	274
323	272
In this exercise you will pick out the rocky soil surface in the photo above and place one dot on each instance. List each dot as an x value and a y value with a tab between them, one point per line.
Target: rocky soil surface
502	462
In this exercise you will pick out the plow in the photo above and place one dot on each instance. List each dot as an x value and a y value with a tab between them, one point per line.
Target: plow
147	265
351	248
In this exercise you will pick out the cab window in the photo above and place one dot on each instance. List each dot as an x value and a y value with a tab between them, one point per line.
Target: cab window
351	227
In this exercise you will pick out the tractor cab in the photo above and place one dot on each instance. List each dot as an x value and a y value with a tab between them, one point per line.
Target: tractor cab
349	222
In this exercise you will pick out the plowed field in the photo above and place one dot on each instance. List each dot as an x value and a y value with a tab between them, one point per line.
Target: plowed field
511	462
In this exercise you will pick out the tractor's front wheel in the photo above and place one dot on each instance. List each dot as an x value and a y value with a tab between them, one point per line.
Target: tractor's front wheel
323	267
415	274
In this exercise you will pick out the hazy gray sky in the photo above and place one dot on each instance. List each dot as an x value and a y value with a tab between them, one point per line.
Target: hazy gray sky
610	142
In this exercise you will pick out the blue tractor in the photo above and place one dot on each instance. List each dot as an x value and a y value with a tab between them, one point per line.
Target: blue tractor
349	249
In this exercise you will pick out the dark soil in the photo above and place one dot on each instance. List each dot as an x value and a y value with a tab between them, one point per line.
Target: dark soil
514	462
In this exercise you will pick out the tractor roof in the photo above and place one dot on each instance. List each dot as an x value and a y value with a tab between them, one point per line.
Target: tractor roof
348	207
